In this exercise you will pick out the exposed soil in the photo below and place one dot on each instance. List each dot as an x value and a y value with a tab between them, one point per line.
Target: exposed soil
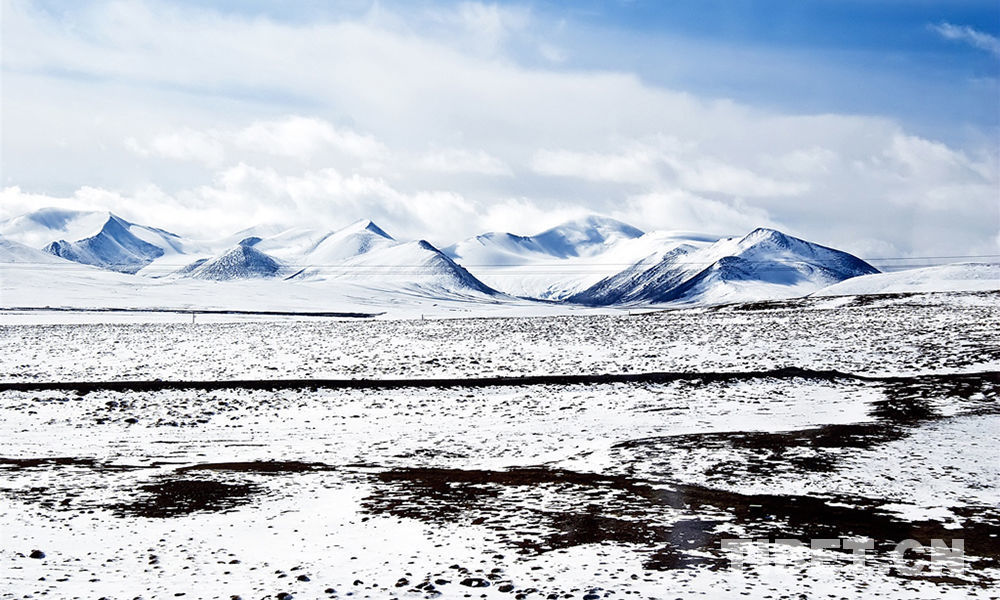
667	518
784	373
267	459
180	497
260	466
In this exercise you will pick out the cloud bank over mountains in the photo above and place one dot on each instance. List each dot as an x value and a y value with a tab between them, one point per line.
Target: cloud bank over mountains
465	118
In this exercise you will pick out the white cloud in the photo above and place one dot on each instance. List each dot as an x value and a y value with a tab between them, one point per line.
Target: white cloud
187	144
458	160
294	136
804	162
177	113
552	53
302	137
686	211
663	165
712	175
243	195
969	35
491	24
634	166
525	217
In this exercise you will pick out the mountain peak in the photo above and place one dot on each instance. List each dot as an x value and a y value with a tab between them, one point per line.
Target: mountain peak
766	233
585	236
764	263
366	225
596	223
114	224
771	238
242	261
424	244
113	247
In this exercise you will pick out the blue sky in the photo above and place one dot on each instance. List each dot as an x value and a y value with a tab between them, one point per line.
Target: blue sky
872	125
875	56
884	57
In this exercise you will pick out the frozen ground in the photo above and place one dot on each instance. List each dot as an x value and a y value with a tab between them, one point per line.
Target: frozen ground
863	335
539	491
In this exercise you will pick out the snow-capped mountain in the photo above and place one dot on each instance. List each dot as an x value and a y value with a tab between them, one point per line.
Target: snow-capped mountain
361	253
763	264
242	261
581	237
555	263
98	238
33	278
356	239
306	245
415	267
365	254
41	227
114	247
594	261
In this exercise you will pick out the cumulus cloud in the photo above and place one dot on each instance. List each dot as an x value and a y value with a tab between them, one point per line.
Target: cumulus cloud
632	166
458	160
969	35
664	166
302	137
187	144
292	136
526	216
686	211
712	175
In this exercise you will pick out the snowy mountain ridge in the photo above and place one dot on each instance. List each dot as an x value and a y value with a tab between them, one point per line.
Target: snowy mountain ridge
593	261
105	239
362	252
580	237
764	263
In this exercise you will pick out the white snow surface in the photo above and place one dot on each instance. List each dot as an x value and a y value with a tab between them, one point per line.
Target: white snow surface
80	471
959	277
412	265
12	252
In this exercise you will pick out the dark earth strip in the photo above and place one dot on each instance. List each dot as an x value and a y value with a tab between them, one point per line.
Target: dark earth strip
260	466
267	313
63	461
83	387
180	497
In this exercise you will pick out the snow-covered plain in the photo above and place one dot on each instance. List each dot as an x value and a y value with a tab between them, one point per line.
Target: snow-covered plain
961	277
922	333
530	491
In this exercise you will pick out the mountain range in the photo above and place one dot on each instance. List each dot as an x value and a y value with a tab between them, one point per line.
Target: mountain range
593	261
